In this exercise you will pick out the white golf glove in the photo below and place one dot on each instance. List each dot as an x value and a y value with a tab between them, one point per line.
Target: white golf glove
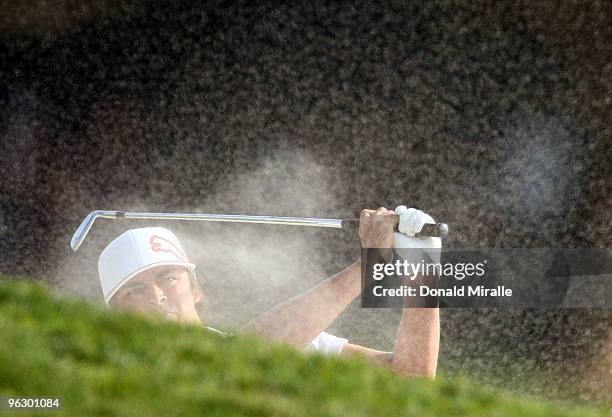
411	222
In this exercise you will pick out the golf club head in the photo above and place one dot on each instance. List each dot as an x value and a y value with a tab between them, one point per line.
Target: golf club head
85	226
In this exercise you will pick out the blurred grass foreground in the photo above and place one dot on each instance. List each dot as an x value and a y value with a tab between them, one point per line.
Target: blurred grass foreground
103	363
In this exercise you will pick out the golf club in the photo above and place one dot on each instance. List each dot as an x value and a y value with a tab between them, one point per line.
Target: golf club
436	230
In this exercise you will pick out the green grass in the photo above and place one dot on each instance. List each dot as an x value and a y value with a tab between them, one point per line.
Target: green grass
104	363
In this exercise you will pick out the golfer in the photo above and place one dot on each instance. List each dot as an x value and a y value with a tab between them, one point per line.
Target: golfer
147	270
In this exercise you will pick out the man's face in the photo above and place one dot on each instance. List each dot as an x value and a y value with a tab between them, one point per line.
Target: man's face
165	290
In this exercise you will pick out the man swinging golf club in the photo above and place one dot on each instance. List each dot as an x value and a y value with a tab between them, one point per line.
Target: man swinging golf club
147	270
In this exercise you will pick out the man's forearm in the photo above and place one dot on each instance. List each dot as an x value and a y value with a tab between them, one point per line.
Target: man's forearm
417	343
300	319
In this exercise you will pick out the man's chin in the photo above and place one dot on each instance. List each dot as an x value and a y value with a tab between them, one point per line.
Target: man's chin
171	316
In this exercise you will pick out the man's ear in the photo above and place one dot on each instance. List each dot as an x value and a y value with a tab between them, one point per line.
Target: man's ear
197	290
197	293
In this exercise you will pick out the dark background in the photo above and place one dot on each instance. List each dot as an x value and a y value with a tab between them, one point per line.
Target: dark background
492	116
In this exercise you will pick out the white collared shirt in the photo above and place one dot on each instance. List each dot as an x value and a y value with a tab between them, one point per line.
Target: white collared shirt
325	343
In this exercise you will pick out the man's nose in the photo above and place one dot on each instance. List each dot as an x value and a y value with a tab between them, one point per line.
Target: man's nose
159	295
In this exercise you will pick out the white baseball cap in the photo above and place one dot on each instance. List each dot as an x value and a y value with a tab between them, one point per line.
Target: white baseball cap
135	251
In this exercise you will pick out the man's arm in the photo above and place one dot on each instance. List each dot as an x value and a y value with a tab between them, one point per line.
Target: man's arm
417	342
416	345
300	319
378	357
418	336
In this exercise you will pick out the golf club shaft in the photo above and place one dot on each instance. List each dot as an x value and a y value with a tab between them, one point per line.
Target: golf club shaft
439	229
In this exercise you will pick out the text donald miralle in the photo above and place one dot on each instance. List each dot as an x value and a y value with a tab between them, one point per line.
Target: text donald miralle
403	269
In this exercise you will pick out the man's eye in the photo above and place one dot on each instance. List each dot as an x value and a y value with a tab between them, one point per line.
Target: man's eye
134	291
170	278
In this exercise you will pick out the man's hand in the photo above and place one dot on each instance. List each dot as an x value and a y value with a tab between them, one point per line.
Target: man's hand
411	221
376	228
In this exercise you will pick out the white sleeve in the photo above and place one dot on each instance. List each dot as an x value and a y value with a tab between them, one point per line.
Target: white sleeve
327	344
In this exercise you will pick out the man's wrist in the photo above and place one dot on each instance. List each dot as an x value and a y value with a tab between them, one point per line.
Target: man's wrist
384	255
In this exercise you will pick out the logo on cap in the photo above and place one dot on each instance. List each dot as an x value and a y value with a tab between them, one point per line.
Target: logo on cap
160	244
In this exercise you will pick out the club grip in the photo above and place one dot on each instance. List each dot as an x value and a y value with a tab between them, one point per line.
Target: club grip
433	230
428	230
